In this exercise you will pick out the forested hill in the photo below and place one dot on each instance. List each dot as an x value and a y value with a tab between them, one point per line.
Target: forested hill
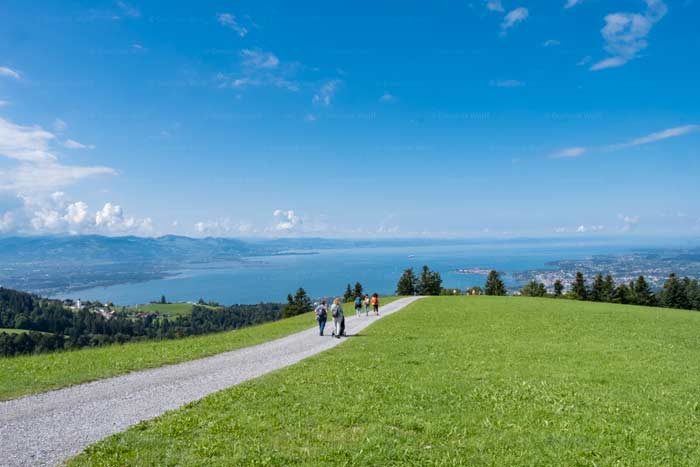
51	326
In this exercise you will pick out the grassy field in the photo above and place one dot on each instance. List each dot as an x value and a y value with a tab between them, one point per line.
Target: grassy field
456	381
169	309
38	373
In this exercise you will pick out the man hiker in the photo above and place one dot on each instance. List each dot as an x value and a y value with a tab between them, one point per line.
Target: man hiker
321	316
358	305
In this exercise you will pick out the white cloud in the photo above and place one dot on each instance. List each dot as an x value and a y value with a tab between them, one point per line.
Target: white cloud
111	218
551	43
76	213
72	144
128	10
648	139
59	125
494	5
625	34
9	72
514	17
572	3
584	60
628	222
223	228
506	83
386	97
259	59
7	222
228	20
326	92
569	152
287	221
658	136
38	167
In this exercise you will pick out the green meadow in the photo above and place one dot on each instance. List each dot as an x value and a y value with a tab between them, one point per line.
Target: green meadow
31	374
168	309
455	381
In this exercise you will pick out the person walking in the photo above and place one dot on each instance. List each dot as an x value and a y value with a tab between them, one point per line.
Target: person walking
321	316
337	315
366	302
375	303
358	305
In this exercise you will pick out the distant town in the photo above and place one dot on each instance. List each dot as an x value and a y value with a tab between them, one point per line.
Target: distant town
654	265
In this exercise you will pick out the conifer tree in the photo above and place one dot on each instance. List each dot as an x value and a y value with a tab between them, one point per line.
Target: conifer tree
642	292
358	289
608	288
597	291
578	288
558	288
407	283
348	296
494	285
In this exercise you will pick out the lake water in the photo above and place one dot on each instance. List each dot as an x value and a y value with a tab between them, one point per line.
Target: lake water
327	273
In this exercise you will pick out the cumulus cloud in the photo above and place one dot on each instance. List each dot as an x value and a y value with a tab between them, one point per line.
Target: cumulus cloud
326	92
626	34
514	17
112	219
628	222
229	21
9	72
506	83
7	222
286	221
38	167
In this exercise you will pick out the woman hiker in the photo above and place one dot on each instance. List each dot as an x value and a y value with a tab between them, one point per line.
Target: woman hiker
321	316
375	303
366	302
337	314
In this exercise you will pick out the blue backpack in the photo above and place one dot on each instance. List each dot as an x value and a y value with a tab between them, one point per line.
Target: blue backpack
358	302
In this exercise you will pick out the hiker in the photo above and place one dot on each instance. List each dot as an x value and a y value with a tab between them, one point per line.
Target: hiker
366	302
375	303
337	314
321	316
358	305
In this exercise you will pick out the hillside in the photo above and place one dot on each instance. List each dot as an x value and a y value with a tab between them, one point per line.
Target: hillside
456	380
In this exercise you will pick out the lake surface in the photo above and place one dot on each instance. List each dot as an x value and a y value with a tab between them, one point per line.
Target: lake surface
327	272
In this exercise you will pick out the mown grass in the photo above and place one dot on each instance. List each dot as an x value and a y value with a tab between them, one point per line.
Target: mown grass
38	373
168	309
456	381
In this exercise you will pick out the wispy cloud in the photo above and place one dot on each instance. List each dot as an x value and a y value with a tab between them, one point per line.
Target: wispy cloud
506	83
514	17
229	21
572	3
658	136
494	5
9	72
59	125
38	167
4	103
387	97
551	43
578	151
326	92
625	34
569	152
128	10
73	144
259	59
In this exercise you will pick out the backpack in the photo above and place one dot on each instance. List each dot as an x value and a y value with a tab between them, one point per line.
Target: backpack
358	302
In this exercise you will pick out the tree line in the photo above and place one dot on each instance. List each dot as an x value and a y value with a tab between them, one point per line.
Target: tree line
681	293
429	283
53	327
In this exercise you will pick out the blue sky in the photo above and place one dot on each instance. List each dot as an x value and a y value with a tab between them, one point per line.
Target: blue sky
364	119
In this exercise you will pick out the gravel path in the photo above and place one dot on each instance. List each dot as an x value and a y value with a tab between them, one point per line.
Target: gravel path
46	429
